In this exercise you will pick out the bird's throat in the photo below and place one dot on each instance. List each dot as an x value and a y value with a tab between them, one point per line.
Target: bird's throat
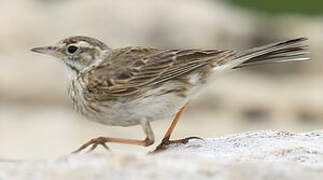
72	71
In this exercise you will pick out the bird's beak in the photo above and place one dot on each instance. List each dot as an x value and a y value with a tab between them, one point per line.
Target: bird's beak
50	50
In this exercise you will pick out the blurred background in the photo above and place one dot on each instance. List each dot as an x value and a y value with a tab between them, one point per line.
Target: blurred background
37	120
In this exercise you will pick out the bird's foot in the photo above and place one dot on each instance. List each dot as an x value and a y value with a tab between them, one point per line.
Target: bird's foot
94	143
166	142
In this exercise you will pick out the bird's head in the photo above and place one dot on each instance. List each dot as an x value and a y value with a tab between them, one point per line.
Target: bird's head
77	52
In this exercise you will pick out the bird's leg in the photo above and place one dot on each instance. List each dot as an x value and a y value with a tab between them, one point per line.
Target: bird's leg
103	140
165	141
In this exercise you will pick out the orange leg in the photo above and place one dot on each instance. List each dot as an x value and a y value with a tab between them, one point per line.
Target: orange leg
103	140
165	141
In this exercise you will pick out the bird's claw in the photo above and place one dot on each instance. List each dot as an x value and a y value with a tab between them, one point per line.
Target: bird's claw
166	142
93	143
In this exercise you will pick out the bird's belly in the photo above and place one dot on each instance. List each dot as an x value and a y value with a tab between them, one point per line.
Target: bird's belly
156	103
130	113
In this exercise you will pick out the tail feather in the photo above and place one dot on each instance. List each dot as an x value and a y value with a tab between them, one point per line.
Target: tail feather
291	50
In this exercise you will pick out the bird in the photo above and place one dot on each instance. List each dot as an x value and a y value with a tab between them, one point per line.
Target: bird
137	85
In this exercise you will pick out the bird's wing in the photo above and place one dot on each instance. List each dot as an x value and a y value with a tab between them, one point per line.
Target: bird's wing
128	69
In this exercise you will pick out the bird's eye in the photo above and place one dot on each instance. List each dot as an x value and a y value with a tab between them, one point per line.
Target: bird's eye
72	49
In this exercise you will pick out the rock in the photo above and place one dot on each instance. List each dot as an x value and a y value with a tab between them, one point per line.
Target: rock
304	148
250	155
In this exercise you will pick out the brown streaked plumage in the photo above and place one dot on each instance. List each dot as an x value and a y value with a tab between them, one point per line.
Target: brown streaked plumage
136	85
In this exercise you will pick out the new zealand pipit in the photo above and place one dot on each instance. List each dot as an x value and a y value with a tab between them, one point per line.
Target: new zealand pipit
136	85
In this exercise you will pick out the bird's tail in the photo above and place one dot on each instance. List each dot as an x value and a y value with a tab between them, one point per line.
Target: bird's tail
291	50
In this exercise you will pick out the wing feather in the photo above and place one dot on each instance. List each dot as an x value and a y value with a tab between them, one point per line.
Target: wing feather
126	71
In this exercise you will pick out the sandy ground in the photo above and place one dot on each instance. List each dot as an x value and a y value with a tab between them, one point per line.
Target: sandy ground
256	155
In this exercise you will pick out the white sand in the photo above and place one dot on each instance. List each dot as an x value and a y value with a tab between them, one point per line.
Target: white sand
250	155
